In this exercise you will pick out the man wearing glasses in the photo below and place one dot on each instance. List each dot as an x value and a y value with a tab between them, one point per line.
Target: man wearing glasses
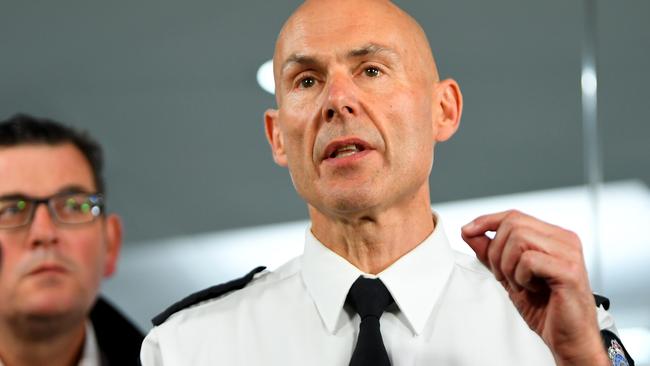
56	245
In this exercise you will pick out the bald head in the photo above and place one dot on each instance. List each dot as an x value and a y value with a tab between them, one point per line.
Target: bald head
358	24
360	107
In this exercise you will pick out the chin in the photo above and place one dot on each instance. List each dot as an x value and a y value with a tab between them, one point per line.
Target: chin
343	198
54	302
354	201
52	306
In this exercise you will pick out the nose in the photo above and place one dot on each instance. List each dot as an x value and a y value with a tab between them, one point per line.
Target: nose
341	98
42	230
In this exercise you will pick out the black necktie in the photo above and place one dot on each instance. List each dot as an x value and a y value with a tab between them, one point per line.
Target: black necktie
369	298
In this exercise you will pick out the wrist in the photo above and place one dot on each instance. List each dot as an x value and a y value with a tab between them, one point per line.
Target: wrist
596	359
589	351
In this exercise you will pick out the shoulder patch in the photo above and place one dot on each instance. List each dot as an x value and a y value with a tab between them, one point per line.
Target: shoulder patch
615	350
601	300
206	294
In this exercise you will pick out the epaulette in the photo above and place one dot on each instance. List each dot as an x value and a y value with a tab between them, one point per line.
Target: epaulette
601	300
615	349
206	294
613	345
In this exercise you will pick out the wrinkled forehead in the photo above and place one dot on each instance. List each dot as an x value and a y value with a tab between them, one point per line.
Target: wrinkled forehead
337	27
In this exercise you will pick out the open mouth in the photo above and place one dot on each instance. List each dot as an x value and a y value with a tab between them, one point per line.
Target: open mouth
344	149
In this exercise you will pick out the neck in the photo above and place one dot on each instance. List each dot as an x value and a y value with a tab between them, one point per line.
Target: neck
372	240
41	343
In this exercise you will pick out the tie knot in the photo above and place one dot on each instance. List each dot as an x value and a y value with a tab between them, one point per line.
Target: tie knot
369	297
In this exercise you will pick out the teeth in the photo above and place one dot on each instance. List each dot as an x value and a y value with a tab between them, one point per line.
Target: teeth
346	150
345	153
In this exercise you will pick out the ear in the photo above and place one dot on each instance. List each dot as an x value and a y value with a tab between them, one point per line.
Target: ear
113	243
274	136
450	102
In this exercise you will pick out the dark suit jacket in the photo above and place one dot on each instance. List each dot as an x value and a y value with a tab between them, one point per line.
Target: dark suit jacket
118	339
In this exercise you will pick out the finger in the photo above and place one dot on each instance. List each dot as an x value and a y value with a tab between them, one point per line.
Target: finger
479	245
474	232
484	223
502	223
562	246
535	267
495	249
520	240
493	221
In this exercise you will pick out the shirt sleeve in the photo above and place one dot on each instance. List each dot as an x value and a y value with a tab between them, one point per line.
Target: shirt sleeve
150	353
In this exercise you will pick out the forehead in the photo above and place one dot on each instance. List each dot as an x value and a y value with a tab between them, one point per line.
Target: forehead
321	31
41	170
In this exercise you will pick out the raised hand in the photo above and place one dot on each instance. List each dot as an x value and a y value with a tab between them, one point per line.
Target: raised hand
542	268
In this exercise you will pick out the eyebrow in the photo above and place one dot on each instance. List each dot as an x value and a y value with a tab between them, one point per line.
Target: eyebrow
299	59
365	50
372	49
66	189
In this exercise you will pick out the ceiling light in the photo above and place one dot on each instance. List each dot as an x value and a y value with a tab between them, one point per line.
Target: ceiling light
588	81
265	77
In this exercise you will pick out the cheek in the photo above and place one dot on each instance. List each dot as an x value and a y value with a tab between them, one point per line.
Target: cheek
294	146
410	119
411	129
12	249
421	124
88	252
9	256
299	162
298	140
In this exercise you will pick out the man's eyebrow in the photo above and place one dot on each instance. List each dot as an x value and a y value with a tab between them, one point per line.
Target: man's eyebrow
372	49
13	196
365	50
73	189
67	189
299	59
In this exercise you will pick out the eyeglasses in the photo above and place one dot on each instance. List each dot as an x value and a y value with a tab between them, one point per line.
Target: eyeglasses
65	208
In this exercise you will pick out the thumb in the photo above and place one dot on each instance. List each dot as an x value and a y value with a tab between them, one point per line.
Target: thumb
479	244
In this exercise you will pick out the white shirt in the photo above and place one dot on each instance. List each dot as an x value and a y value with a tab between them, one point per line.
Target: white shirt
450	311
90	353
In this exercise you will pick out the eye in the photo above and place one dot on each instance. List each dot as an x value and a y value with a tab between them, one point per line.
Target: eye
371	71
12	208
72	205
77	207
76	204
307	82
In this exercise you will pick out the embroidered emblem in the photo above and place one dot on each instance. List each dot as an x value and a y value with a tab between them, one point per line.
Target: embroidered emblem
616	354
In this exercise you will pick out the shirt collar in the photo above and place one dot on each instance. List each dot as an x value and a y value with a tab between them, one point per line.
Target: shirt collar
328	278
90	353
415	281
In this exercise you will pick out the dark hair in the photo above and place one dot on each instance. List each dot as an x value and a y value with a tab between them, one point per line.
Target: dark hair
23	129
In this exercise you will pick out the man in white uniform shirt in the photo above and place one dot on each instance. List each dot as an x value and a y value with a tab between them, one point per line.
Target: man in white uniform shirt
360	109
